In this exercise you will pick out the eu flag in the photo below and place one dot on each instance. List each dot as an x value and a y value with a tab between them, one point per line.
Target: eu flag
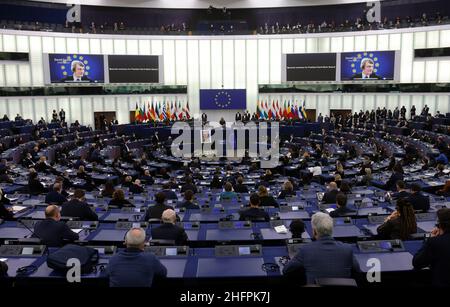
223	99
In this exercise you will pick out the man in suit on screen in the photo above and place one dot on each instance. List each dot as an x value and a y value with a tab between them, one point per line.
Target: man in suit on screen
367	65
78	70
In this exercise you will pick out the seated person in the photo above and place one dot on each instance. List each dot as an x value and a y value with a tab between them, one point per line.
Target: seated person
287	191
265	199
168	193
35	187
419	201
330	195
402	192
228	194
147	178
27	162
108	191
400	224
341	203
41	165
77	207
435	252
118	200
188	201
397	175
440	171
189	186
169	230
156	211
136	187
367	178
345	187
51	231
324	257
254	213
5	214
55	197
297	228
133	267
4	177
127	182
216	183
240	187
442	159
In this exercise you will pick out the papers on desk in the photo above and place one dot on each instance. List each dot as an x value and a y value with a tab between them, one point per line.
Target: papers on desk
281	229
16	209
77	230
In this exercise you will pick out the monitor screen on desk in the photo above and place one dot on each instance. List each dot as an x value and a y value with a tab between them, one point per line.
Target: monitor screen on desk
27	251
171	251
244	250
386	245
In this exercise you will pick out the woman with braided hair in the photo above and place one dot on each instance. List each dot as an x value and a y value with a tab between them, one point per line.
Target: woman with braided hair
400	224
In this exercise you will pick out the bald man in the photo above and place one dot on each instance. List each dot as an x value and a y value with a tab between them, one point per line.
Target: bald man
330	196
52	231
169	230
133	267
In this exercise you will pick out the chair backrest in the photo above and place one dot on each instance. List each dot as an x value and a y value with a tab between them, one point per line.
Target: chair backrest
160	242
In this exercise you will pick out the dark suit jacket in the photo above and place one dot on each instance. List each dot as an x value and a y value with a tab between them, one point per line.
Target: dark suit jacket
53	233
342	211
5	214
156	211
330	197
359	76
390	230
136	189
120	203
419	201
168	231
391	183
253	214
76	208
435	252
188	205
35	187
325	257
134	268
170	194
240	188
402	194
54	197
69	79
268	201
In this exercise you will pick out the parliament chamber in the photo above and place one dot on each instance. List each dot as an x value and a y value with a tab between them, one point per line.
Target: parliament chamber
211	147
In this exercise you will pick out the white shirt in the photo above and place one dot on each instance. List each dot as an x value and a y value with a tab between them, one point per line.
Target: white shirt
316	170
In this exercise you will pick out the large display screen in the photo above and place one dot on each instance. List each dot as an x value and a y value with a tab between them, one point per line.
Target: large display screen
311	67
133	69
368	65
75	68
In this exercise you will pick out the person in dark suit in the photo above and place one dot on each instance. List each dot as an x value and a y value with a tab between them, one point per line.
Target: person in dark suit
188	185
42	166
5	214
240	187
147	178
400	224
265	199
78	73
118	200
188	201
133	267
77	207
324	257
401	190
419	201
297	228
216	183
155	212
51	231
435	252
287	191
4	177
168	193
108	190
330	196
367	67
169	230
397	175
136	187
204	117
238	116
55	197
27	162
254	213
35	187
341	210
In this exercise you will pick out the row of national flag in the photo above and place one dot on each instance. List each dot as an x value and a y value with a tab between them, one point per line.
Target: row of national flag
278	110
162	111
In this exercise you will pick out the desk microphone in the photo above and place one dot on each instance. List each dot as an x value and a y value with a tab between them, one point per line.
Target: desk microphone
33	234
